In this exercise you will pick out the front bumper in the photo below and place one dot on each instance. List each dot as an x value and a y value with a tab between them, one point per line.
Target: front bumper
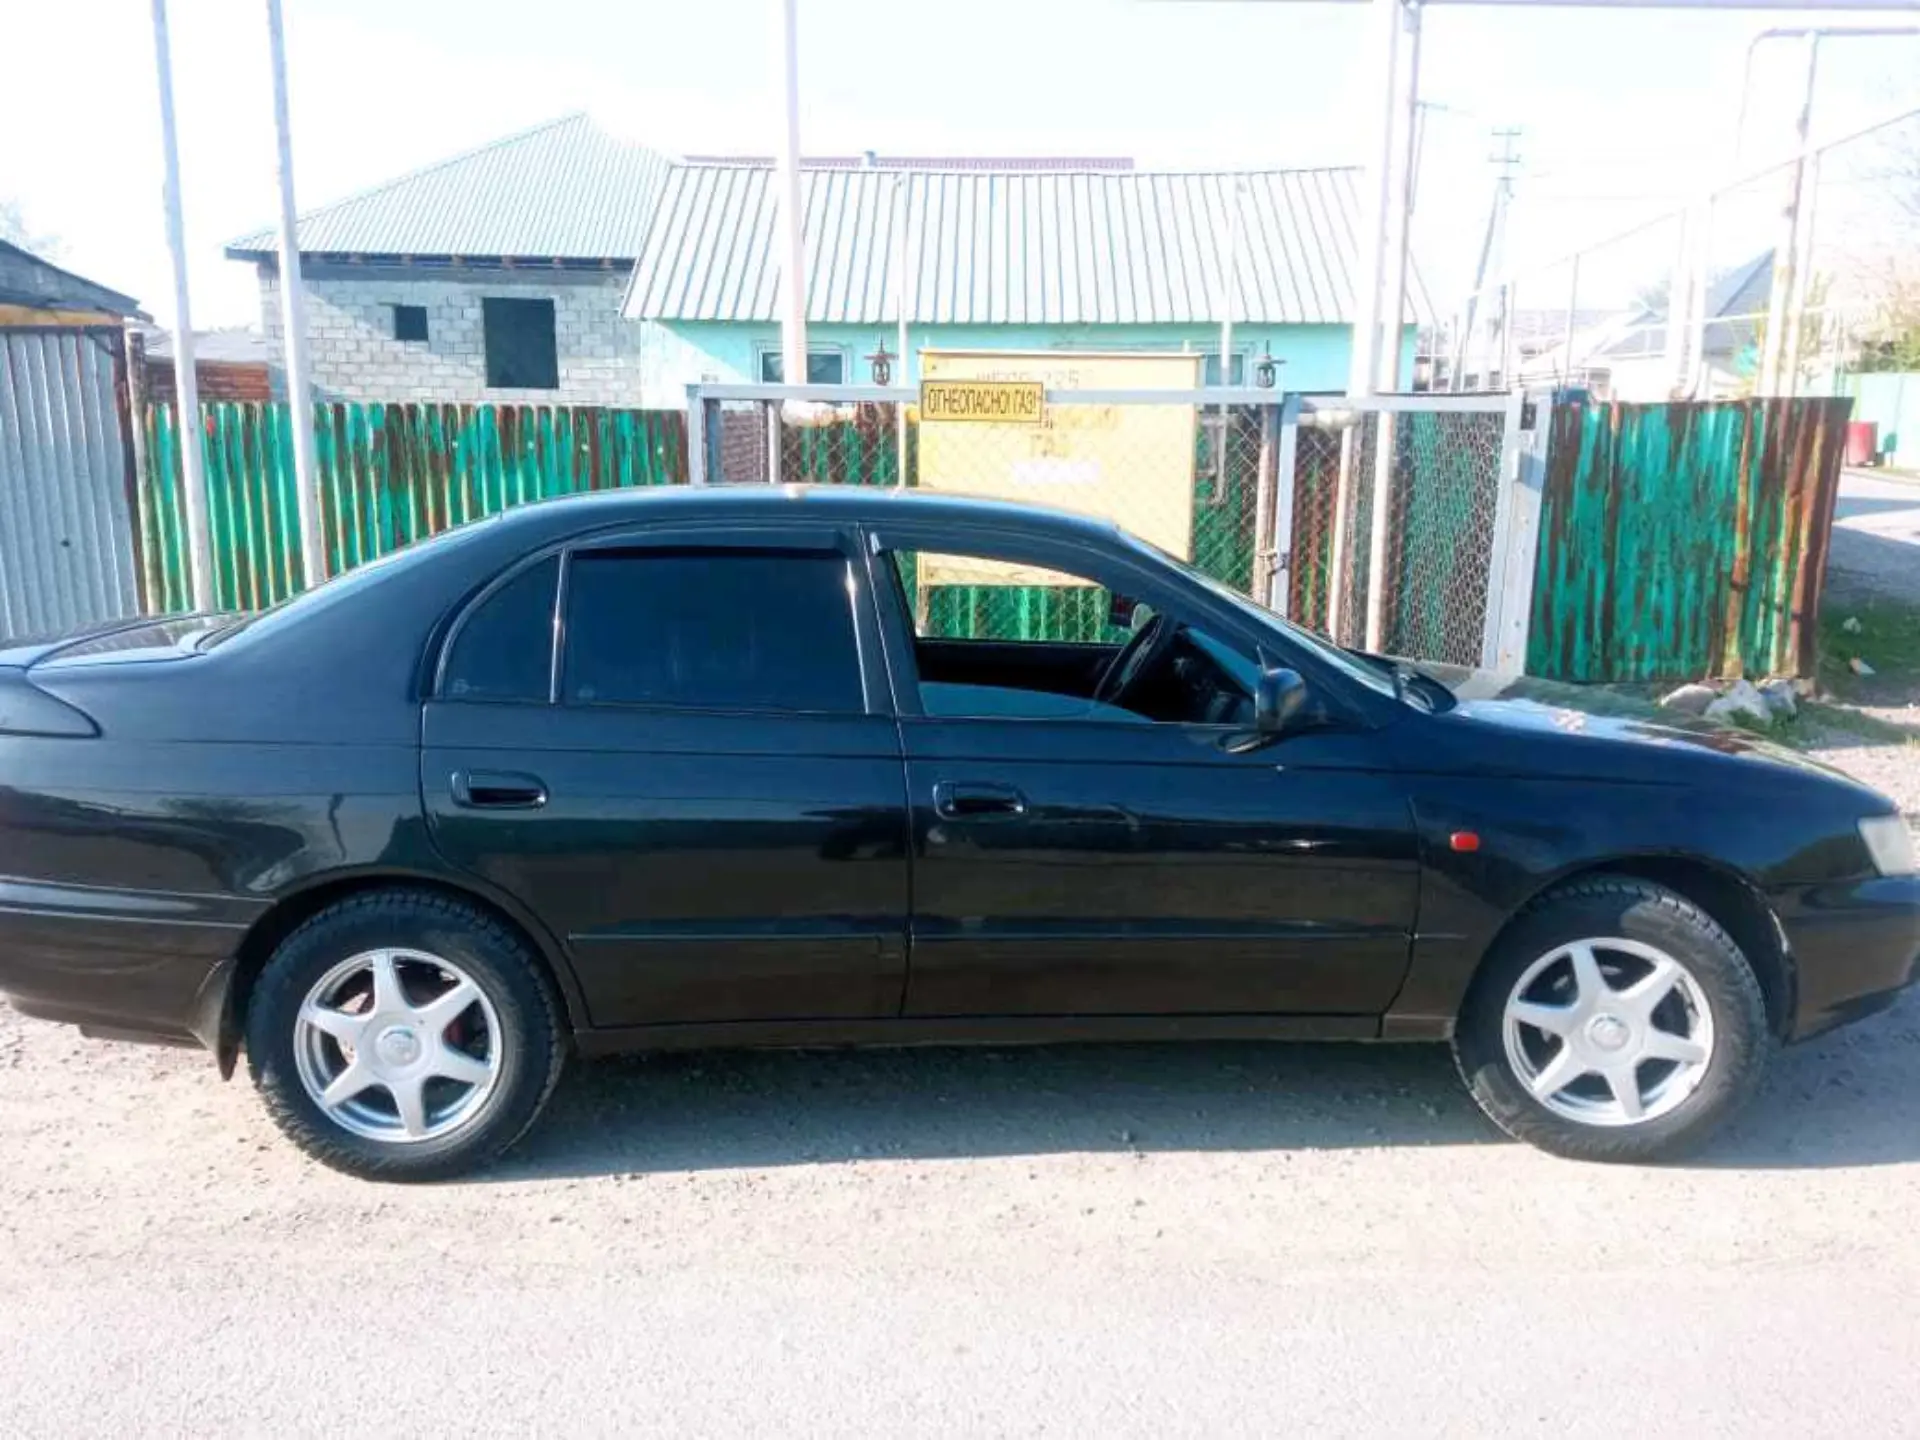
138	965
1855	946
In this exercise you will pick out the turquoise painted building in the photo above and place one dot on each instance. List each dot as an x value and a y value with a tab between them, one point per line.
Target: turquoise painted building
1070	261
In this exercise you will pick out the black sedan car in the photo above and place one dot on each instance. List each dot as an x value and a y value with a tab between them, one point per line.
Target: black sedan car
770	767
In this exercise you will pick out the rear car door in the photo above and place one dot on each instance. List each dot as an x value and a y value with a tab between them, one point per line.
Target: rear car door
1078	857
673	747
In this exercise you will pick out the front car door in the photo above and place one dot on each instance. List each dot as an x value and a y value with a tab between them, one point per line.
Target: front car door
674	748
1084	855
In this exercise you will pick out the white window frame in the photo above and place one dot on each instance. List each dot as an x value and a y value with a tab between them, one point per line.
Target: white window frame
762	349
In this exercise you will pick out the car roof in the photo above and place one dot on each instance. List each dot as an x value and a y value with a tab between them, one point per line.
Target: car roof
759	503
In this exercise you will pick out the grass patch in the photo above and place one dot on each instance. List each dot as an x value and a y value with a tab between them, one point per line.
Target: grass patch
1888	639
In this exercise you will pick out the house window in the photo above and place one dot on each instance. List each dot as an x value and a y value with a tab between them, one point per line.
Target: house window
409	322
521	354
824	367
1236	368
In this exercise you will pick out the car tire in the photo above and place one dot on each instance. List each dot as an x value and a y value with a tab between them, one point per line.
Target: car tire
1552	1060
442	1090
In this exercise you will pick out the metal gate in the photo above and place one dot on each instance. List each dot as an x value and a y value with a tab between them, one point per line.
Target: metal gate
66	480
1272	494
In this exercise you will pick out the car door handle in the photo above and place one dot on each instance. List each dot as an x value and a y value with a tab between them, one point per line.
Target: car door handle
498	790
968	802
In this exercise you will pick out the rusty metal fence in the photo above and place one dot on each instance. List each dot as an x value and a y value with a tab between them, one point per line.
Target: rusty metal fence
1661	541
1679	540
389	475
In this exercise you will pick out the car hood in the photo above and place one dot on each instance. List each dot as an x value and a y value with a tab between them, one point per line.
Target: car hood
1585	732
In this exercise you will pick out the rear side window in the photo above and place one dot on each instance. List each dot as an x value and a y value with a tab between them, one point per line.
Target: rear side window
716	630
504	651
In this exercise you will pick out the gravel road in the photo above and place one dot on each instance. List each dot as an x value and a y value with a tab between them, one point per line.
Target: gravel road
1206	1240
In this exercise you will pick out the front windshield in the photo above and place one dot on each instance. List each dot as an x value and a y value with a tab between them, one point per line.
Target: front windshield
1322	649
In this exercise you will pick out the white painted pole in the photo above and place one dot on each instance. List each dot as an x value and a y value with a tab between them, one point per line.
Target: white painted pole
793	330
1378	202
186	382
293	316
1366	301
1780	290
1229	296
903	200
1393	312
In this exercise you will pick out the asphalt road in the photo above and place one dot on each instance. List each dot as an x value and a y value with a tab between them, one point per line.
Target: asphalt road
1205	1240
1876	538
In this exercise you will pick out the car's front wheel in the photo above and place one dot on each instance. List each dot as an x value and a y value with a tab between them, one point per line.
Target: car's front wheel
404	1035
1614	1020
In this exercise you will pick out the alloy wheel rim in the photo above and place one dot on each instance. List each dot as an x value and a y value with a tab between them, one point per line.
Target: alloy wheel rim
1608	1031
398	1046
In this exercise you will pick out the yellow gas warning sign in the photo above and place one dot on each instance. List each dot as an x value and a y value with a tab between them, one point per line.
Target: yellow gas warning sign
983	402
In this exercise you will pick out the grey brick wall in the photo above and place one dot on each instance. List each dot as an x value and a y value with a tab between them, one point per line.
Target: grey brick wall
604	359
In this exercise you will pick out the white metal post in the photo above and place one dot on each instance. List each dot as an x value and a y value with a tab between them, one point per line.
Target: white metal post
293	314
793	328
904	199
1779	292
1372	271
1229	283
1516	534
1378	202
1286	463
186	382
696	436
1387	366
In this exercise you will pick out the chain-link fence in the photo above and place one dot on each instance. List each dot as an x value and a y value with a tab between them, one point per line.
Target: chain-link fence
1187	476
1443	494
1199	478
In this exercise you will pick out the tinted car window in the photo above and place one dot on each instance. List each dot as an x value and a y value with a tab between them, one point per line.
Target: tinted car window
504	651
713	630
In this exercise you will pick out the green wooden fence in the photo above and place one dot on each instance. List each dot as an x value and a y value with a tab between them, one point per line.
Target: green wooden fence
388	475
1682	540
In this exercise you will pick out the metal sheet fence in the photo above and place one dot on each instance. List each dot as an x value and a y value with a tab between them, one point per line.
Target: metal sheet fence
66	516
389	475
1682	540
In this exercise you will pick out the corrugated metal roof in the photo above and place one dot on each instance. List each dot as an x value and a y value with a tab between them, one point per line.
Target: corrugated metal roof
565	190
1005	249
26	279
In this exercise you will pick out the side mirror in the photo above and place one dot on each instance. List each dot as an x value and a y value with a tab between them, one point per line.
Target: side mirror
1277	698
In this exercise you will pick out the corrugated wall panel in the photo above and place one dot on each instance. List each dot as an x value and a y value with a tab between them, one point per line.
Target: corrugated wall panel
66	529
1683	540
389	475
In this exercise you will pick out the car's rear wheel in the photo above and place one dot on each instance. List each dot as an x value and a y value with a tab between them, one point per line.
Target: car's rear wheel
404	1035
1614	1020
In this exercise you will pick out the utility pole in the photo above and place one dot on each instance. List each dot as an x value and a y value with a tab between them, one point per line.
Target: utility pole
1775	377
193	463
1492	243
793	328
293	318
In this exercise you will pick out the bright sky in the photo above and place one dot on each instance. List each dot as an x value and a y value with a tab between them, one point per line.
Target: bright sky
1623	113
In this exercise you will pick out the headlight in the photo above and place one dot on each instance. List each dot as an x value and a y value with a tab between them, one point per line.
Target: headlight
1889	842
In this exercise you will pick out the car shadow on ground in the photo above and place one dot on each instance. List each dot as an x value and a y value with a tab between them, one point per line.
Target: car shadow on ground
1850	1099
